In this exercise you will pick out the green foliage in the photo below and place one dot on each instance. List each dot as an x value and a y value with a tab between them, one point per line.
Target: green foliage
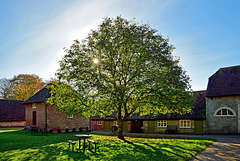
135	70
20	145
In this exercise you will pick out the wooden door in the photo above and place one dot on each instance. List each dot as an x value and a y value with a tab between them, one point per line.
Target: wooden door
151	126
34	118
198	126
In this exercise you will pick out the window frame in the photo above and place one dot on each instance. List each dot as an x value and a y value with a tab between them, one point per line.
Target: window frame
225	108
99	122
34	105
182	125
162	123
70	116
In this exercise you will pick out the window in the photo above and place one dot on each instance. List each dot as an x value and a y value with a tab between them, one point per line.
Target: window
70	116
185	124
34	105
99	122
224	111
162	123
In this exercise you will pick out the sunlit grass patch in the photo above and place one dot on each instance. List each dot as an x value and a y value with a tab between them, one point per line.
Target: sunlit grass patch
20	145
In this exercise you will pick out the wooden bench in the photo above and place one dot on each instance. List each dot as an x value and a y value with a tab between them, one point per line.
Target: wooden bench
34	130
94	142
44	131
171	130
71	142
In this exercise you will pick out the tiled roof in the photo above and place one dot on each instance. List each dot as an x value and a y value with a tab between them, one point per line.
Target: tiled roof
40	97
225	82
198	112
11	110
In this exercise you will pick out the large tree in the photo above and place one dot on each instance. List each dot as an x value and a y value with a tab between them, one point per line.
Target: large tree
121	67
20	87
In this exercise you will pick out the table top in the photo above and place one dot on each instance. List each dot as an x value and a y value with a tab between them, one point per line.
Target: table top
82	136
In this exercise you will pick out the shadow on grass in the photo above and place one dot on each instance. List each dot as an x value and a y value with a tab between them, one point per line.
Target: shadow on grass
55	147
51	152
158	151
23	139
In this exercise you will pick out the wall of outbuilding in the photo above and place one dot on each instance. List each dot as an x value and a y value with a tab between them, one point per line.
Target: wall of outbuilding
13	124
55	119
222	124
150	126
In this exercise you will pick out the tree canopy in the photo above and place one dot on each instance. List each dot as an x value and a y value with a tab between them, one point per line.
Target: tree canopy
122	67
20	87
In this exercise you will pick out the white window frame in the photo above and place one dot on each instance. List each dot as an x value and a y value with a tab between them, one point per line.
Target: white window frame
186	124
225	108
99	122
34	105
162	123
70	116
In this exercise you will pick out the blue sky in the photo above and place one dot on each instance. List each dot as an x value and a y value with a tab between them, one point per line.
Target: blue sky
33	33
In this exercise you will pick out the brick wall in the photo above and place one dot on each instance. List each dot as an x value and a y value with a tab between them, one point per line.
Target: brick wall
13	124
55	119
95	126
40	114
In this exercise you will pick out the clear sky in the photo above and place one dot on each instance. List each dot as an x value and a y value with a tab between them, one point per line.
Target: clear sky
33	33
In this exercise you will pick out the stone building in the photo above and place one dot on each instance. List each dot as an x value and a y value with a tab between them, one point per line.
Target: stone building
40	114
223	101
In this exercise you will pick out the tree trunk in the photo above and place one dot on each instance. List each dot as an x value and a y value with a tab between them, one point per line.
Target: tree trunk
120	130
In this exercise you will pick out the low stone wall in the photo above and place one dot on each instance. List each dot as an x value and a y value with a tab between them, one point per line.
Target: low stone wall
13	124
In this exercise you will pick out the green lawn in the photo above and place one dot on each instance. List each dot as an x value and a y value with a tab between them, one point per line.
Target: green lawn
20	145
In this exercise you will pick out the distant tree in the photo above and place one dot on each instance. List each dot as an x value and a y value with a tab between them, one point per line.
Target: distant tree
123	68
5	88
21	87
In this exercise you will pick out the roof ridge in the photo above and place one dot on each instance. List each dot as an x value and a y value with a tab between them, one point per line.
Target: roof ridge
236	66
4	99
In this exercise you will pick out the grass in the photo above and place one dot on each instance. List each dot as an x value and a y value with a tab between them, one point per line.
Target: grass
20	145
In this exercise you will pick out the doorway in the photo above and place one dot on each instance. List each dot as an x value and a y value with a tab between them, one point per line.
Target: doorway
34	118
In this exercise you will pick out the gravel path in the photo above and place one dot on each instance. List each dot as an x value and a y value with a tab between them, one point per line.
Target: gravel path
226	148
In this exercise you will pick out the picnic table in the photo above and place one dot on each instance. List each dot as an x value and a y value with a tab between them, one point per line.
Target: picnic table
84	137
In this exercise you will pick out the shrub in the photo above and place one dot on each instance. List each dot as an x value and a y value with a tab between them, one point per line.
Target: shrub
80	129
74	130
59	130
51	131
66	130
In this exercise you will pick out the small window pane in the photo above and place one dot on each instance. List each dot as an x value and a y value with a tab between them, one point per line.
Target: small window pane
162	123
224	111
219	112
70	116
230	112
